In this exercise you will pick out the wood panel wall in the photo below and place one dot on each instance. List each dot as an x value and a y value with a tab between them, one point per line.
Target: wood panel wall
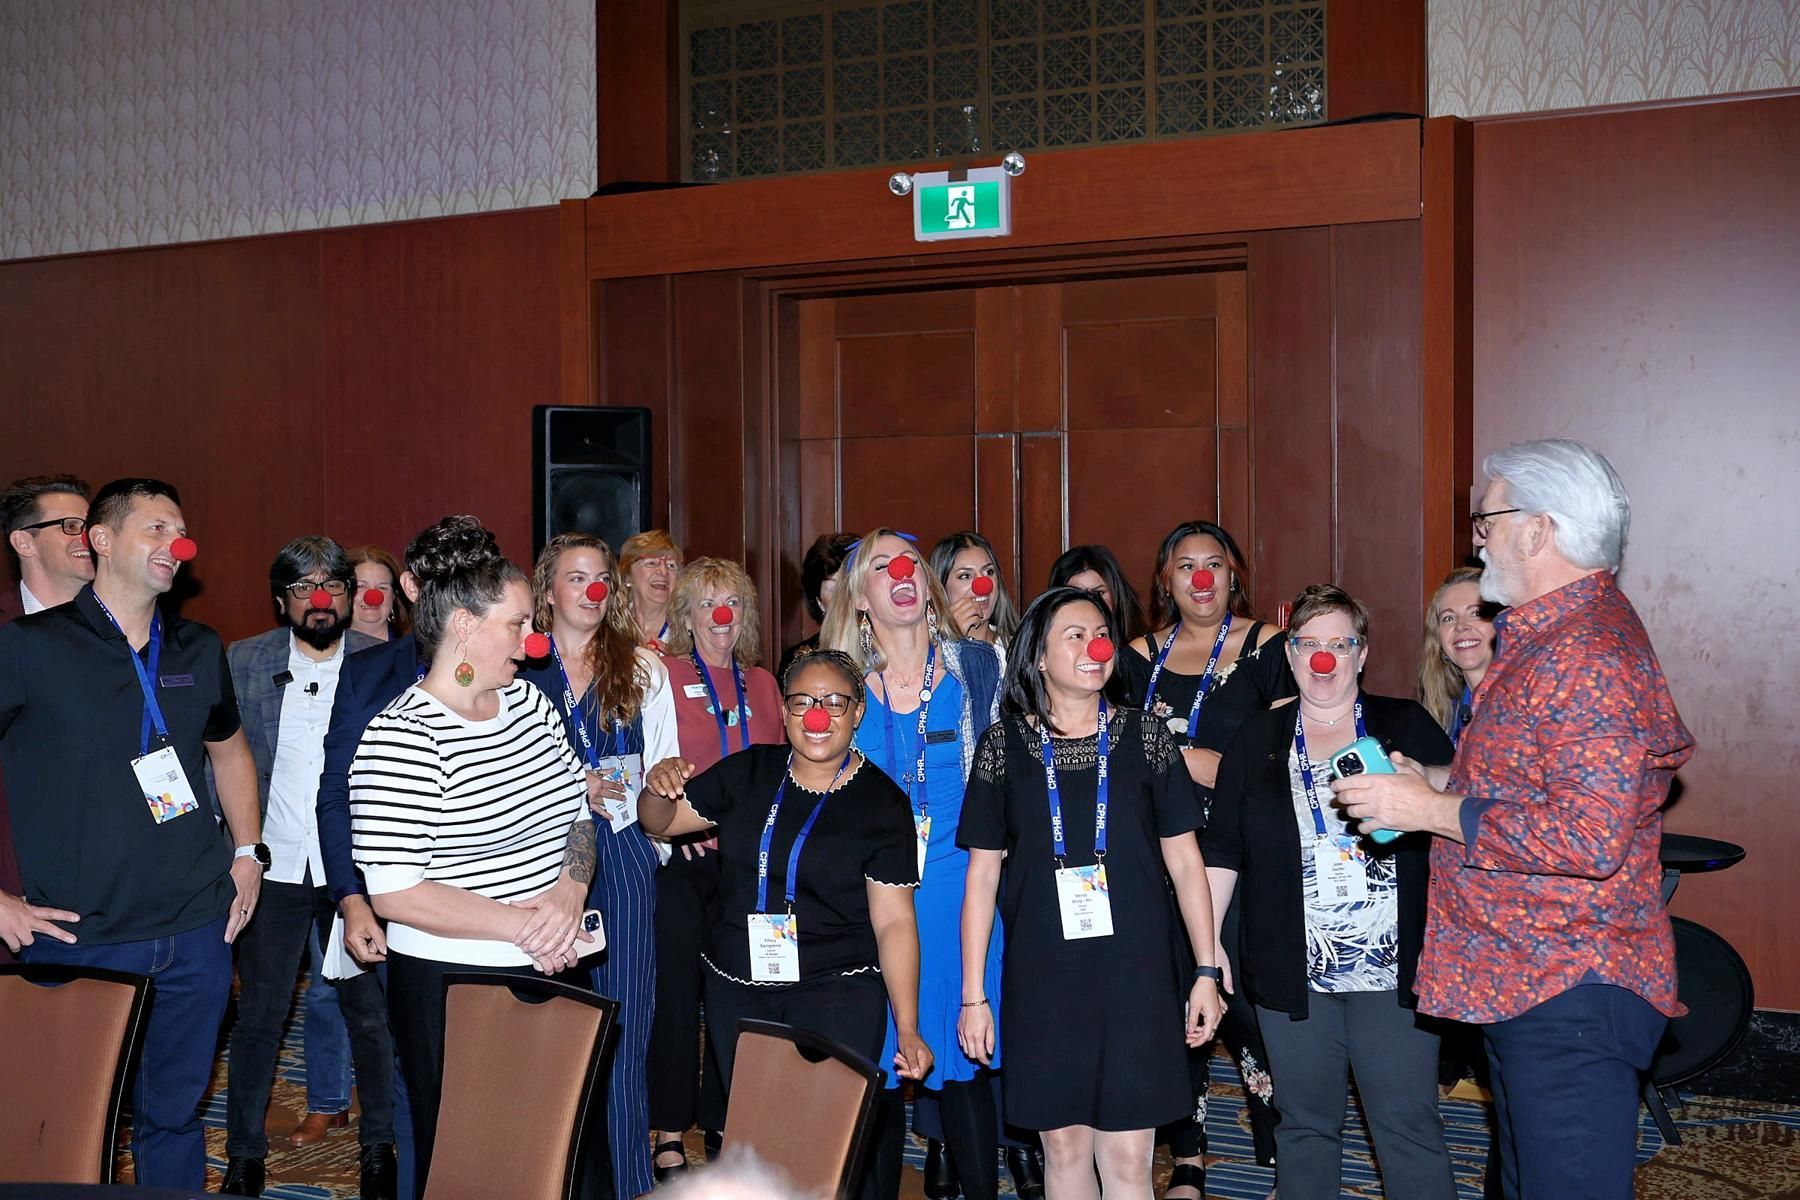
1637	276
360	382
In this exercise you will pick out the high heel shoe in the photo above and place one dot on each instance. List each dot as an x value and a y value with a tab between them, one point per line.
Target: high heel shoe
1026	1166
941	1182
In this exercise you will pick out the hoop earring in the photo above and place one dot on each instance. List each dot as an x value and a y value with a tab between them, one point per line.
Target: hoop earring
465	673
865	638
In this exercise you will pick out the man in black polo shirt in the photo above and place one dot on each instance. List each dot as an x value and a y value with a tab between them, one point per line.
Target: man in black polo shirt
108	711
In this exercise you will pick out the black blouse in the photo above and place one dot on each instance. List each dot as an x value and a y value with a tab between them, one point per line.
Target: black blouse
864	832
1252	831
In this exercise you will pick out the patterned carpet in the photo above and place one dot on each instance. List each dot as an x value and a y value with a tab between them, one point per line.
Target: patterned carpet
1731	1150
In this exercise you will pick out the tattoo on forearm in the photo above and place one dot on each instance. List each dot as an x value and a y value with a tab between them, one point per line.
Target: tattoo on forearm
578	857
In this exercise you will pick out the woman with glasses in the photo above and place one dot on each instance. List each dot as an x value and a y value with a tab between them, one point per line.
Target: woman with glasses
814	925
1206	665
648	564
1088	806
381	609
618	716
724	703
930	696
1332	920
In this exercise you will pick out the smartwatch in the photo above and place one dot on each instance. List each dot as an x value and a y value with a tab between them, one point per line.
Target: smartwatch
1212	973
259	852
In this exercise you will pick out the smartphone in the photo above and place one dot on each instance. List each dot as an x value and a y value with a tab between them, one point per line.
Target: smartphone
1364	756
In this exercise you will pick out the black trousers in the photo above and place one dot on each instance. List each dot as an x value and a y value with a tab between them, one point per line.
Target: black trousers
271	954
415	998
686	1088
849	1009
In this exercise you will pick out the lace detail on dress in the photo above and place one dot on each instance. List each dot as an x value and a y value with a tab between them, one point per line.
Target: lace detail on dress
990	754
1161	750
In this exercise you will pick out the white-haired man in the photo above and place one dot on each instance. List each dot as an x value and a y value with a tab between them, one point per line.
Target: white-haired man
1546	924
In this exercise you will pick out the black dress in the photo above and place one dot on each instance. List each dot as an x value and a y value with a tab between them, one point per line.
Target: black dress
1093	1030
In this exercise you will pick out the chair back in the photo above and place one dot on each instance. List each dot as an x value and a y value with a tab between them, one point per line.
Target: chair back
803	1104
521	1061
72	1034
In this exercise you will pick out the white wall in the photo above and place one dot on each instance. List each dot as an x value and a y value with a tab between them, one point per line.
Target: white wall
136	122
1503	56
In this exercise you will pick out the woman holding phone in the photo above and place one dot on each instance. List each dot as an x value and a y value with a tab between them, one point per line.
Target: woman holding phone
1332	922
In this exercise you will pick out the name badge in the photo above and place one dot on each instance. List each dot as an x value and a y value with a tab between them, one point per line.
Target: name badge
1086	906
937	737
1340	873
922	828
628	771
164	784
774	948
177	680
695	691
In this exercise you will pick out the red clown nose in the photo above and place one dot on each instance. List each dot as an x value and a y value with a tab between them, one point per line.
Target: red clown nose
1100	649
537	645
183	549
900	567
320	598
982	585
1323	662
597	591
816	720
373	597
723	615
1203	579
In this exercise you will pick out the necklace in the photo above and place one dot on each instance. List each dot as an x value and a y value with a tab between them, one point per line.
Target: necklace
1328	723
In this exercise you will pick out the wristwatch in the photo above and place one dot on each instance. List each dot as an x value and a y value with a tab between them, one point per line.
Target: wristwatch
259	852
1212	973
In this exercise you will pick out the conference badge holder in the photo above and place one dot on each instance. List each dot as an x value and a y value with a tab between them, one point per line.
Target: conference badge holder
164	785
774	948
1086	907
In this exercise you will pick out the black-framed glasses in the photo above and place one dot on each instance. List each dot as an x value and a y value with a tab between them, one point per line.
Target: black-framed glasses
1339	646
1484	521
306	587
800	703
71	526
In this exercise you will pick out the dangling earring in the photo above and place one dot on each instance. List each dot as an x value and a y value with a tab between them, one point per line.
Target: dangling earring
931	620
465	673
865	637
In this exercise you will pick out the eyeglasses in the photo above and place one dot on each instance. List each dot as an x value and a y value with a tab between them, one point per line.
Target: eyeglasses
799	703
667	563
71	526
306	587
1484	521
1338	646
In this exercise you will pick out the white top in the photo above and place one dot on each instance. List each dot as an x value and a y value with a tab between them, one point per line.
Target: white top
32	603
481	805
291	825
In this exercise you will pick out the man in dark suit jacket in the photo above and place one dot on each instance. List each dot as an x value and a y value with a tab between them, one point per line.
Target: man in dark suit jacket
286	680
37	513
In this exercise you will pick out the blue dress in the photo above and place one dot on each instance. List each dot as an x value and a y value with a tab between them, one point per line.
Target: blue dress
890	741
624	890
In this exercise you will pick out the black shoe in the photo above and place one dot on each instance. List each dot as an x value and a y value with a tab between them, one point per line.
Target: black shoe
668	1146
714	1142
380	1172
1187	1175
1027	1169
941	1182
243	1177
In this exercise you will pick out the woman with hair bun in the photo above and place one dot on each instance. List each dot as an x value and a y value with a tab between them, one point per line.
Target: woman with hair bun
614	700
468	810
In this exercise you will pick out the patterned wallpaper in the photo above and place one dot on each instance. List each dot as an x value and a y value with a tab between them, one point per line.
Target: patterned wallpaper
1501	56
135	122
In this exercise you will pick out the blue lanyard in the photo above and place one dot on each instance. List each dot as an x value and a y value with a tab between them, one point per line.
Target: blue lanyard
1100	790
591	755
737	679
146	677
1306	775
1206	676
920	803
768	834
1465	712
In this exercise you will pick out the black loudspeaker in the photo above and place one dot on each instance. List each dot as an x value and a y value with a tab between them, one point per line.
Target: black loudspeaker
590	472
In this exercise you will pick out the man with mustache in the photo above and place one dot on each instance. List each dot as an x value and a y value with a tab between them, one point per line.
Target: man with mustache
286	680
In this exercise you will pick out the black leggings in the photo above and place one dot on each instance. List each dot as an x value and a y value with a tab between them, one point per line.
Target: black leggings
971	1136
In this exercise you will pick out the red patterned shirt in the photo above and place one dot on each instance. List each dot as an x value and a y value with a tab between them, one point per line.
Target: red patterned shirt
1566	767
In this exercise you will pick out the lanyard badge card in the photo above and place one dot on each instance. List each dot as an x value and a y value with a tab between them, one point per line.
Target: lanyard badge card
1340	864
775	937
161	779
1081	893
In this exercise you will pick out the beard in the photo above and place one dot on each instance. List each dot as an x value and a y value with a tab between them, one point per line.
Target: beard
320	635
1497	582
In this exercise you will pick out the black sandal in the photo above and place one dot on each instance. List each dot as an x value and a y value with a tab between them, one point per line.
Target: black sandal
668	1146
1187	1175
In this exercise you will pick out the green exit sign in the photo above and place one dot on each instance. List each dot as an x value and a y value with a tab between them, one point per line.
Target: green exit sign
978	204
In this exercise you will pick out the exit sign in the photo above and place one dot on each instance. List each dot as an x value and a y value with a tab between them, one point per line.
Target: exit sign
977	206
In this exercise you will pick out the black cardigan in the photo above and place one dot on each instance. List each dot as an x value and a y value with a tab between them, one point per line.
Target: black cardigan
1252	831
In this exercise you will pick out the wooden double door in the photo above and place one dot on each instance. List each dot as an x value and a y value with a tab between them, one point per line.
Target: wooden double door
1043	414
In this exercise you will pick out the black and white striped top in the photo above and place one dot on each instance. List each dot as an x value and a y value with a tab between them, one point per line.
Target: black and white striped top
481	805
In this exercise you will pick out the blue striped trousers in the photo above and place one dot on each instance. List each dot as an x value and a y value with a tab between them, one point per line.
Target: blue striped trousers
625	893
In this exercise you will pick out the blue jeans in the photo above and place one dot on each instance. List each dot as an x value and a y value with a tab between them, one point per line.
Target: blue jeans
190	977
326	1039
1565	1078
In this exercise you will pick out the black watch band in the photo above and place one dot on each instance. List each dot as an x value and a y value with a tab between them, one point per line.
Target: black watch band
1212	973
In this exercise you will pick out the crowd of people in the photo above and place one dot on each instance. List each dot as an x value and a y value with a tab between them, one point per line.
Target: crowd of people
1030	863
